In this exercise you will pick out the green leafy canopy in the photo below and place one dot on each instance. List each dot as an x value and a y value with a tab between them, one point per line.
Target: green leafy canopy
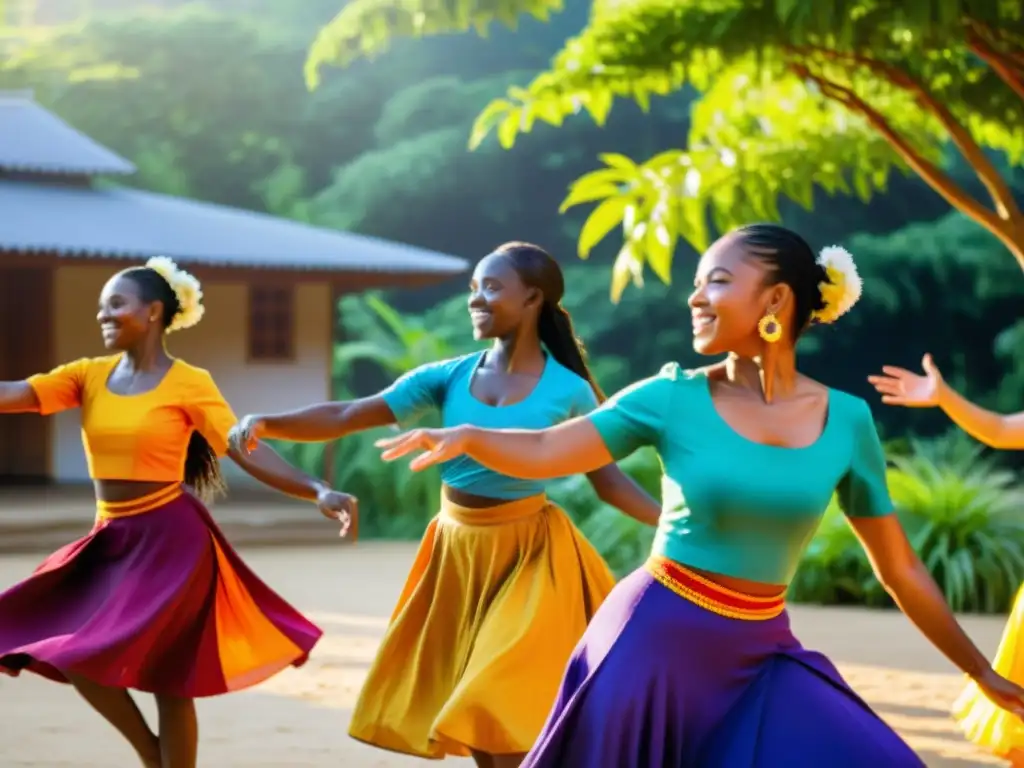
834	94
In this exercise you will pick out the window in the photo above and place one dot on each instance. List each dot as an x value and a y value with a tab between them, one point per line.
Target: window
271	323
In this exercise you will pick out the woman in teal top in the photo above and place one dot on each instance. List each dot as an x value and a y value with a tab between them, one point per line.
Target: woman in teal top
691	661
503	585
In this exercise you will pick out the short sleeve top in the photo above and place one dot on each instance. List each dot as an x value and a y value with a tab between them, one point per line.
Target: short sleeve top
140	437
445	386
749	509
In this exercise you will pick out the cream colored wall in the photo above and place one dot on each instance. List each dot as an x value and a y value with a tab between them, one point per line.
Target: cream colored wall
218	344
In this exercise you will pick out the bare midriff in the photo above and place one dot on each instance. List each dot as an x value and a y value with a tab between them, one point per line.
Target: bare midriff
127	490
757	588
471	500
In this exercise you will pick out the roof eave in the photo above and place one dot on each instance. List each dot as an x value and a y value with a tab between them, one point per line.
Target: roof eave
364	274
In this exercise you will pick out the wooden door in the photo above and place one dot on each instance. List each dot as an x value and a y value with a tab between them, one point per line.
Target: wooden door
26	333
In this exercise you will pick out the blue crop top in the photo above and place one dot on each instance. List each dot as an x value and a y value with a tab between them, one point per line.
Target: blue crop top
559	395
750	509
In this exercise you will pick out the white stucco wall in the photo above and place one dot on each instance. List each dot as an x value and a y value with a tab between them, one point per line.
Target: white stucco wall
218	344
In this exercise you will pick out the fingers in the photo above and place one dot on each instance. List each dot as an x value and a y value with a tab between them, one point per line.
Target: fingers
889	387
429	458
895	371
397	447
883	382
929	365
387	442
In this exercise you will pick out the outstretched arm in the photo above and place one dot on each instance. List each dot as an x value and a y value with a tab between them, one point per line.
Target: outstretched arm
413	393
18	397
571	448
904	576
899	386
615	488
316	423
634	417
267	466
996	430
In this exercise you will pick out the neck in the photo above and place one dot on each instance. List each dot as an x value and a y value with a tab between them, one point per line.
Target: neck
147	356
519	352
773	372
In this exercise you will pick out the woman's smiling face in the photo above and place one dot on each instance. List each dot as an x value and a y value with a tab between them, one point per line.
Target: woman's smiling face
731	294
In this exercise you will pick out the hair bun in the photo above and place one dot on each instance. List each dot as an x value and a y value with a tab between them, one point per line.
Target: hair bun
186	289
843	286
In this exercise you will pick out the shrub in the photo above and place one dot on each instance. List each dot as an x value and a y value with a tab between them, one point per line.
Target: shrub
962	514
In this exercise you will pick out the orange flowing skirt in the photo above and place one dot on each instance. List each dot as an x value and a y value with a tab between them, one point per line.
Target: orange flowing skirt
496	601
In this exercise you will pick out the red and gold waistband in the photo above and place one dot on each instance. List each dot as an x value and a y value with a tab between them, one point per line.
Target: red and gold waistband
110	510
713	597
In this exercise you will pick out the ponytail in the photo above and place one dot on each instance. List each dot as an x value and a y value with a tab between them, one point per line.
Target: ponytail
554	326
202	470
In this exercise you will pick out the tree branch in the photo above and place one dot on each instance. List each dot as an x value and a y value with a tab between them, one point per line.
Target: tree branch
988	174
990	34
941	182
1011	74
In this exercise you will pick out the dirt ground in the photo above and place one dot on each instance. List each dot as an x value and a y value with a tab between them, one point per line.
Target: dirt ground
299	719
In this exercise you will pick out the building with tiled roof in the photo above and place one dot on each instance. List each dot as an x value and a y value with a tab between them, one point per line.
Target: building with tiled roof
271	285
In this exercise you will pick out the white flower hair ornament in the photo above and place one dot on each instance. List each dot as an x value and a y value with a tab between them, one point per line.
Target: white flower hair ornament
187	290
844	287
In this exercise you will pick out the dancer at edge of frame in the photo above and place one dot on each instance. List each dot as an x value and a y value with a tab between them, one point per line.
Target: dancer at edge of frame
153	598
984	724
691	661
503	584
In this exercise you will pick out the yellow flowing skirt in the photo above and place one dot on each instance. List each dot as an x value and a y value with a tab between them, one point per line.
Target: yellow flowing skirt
983	722
493	607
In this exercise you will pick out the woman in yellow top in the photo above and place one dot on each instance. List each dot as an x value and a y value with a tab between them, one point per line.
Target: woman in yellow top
154	598
983	722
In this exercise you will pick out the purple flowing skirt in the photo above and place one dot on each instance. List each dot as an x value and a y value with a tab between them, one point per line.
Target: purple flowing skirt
659	682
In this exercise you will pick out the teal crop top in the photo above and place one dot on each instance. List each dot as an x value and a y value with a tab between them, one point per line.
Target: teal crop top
559	395
750	509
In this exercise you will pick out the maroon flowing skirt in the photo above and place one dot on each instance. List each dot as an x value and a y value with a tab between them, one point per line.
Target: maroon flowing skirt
157	602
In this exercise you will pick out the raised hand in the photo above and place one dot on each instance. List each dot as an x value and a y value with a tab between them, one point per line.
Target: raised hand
439	445
335	505
898	386
246	434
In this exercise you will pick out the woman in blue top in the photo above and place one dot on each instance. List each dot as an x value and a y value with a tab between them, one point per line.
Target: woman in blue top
503	585
691	661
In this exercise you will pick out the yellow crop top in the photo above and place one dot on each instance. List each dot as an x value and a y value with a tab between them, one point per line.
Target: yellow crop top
137	437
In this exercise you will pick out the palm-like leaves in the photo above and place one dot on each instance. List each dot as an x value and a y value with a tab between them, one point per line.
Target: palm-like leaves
964	515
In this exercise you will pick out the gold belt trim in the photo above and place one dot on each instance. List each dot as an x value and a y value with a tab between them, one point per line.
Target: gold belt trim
111	510
713	597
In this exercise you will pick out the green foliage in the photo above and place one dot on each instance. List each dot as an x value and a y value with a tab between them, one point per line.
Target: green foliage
366	28
793	98
961	511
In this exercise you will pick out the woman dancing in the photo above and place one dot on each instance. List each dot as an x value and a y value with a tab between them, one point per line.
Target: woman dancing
154	598
982	721
691	660
503	584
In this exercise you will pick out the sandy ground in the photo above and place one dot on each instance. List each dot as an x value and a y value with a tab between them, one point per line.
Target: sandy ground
299	719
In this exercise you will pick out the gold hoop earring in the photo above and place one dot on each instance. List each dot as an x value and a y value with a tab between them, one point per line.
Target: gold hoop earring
770	328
